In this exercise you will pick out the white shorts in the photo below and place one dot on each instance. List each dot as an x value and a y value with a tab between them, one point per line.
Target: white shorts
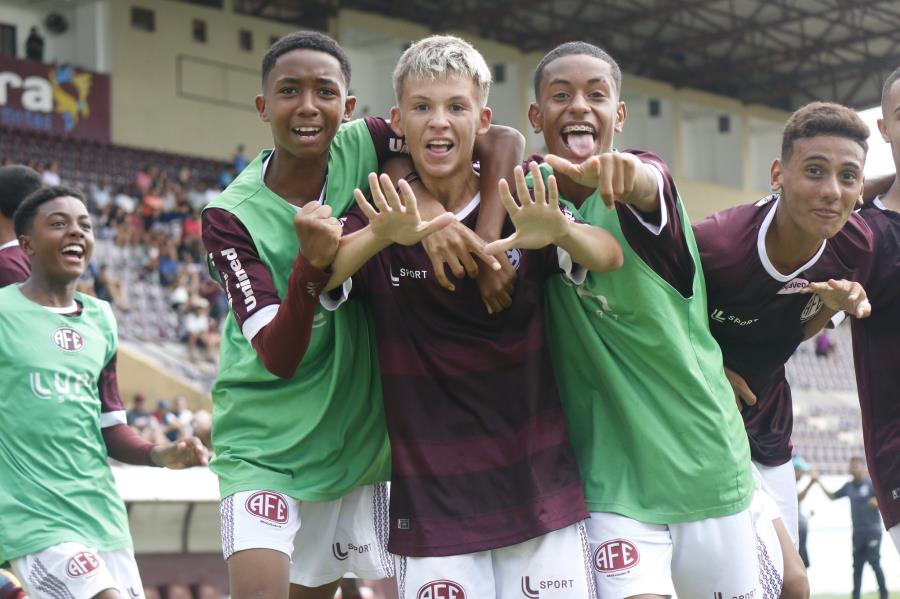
731	556
781	485
324	540
895	536
73	571
551	566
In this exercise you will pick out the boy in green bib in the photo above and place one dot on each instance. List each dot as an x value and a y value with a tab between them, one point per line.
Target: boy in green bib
301	450
63	525
660	445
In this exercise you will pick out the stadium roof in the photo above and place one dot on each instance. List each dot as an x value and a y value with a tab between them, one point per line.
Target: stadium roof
780	53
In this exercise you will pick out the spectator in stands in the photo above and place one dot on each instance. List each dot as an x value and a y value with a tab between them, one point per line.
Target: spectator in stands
196	325
16	183
824	345
166	421
141	420
801	468
100	196
184	416
168	264
143	180
203	427
109	288
50	175
866	525
239	160
34	47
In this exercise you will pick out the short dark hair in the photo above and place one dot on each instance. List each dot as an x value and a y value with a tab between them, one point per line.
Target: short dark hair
17	182
28	209
823	118
305	40
568	49
888	84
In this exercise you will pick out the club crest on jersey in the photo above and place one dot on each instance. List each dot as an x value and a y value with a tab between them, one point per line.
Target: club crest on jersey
81	564
441	589
615	556
794	286
268	506
515	257
67	339
813	306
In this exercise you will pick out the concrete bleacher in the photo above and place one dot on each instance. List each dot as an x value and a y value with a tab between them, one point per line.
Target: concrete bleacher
151	326
83	162
827	422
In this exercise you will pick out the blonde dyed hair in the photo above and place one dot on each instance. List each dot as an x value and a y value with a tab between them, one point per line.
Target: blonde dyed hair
443	57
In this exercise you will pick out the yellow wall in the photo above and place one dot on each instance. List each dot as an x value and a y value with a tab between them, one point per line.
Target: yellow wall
138	374
147	110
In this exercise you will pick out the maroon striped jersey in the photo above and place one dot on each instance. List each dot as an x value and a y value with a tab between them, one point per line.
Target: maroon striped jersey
757	314
876	352
480	454
14	264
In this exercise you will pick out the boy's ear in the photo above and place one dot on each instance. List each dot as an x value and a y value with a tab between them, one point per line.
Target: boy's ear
395	121
621	115
484	121
25	245
534	117
349	107
882	128
776	175
261	108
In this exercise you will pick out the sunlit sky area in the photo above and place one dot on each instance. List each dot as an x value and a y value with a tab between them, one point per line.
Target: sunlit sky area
878	160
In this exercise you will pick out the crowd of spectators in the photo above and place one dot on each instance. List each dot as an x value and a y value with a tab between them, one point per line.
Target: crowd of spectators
157	217
168	422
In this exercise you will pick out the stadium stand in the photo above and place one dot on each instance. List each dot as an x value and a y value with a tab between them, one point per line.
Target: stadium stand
83	162
827	422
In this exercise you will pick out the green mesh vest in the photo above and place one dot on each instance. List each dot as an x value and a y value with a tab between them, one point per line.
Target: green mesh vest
320	434
55	482
650	412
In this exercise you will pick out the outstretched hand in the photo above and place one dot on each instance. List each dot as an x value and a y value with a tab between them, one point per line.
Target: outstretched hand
613	174
395	217
538	221
180	454
842	296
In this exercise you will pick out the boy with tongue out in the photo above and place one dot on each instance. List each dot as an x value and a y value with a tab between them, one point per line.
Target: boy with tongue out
660	446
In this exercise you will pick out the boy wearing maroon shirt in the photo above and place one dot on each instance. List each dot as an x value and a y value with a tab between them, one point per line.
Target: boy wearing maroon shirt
16	183
486	500
770	270
876	343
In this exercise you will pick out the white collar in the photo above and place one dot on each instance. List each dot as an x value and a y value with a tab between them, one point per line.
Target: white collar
9	244
468	208
877	201
63	310
764	256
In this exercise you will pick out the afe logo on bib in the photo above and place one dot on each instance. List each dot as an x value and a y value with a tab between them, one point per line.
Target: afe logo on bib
68	340
441	589
81	564
616	555
269	506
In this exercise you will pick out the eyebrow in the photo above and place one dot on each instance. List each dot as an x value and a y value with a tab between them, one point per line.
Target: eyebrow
562	81
66	215
429	98
815	157
289	79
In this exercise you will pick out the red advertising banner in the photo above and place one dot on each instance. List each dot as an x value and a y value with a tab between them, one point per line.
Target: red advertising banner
58	99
